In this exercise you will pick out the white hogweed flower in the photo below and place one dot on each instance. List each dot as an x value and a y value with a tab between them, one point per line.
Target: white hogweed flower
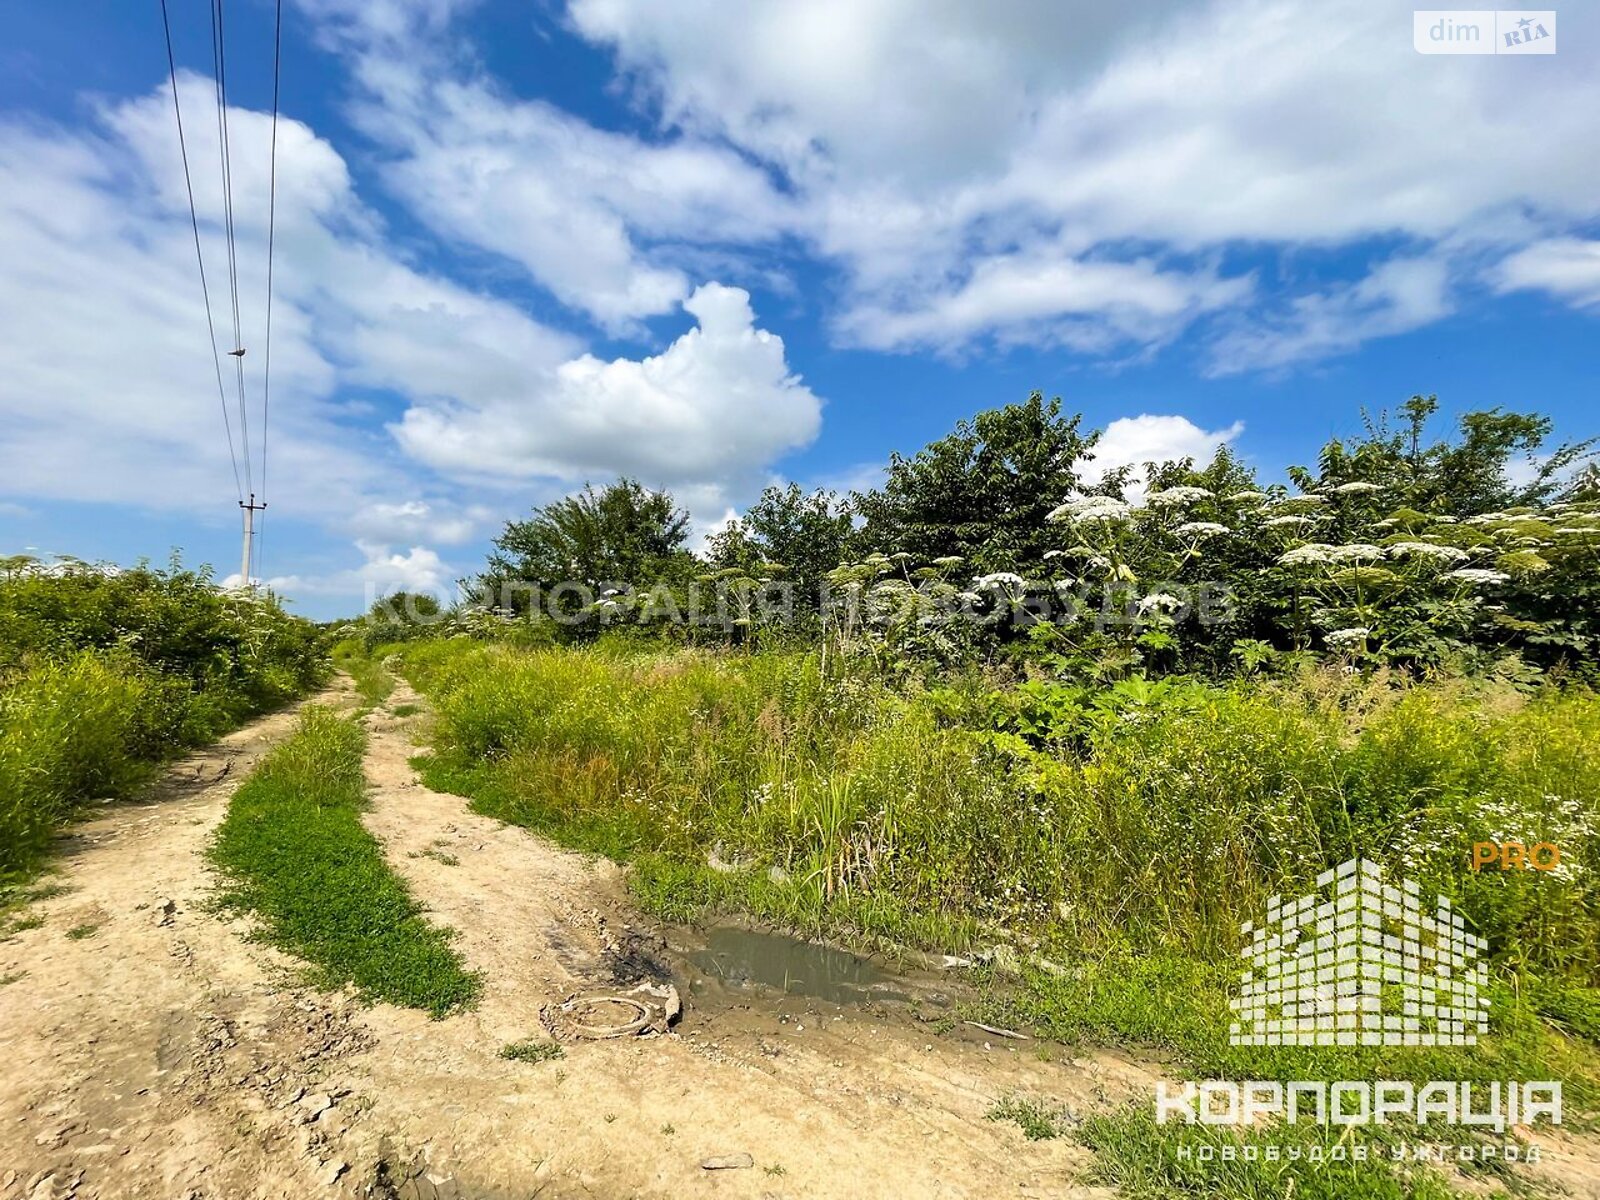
1090	508
1355	552
1427	550
1159	600
1178	495
998	579
1311	552
1348	637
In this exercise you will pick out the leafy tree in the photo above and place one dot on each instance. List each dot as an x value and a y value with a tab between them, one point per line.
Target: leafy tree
405	608
734	548
1585	486
807	535
983	491
621	536
1464	476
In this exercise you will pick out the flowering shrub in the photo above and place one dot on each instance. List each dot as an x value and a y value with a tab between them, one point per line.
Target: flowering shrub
1398	586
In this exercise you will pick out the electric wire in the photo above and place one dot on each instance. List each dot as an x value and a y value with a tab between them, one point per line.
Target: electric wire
272	229
219	62
194	222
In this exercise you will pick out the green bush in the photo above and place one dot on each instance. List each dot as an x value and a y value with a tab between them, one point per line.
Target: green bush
103	673
70	731
240	652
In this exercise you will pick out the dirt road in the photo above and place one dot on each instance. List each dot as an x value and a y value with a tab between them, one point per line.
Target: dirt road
163	1054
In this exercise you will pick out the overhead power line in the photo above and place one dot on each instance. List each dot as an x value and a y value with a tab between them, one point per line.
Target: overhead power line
220	64
194	222
272	229
245	482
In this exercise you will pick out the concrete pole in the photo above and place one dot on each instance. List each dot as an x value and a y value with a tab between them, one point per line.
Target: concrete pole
250	511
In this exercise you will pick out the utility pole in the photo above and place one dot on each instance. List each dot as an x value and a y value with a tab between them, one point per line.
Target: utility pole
250	511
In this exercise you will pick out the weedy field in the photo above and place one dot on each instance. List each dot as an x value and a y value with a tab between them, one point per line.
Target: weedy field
1100	848
929	814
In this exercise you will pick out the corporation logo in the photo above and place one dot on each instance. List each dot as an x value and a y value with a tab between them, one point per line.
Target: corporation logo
1360	962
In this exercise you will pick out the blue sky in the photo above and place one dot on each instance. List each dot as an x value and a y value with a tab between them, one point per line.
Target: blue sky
524	245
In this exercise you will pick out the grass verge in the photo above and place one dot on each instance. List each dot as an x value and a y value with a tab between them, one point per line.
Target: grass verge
1147	1161
293	851
1180	1006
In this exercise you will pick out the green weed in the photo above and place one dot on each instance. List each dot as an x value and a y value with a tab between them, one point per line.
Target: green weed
439	855
104	674
373	683
532	1052
1038	1119
12	925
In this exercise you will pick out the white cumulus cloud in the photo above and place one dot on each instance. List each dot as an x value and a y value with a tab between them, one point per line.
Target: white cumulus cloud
710	410
1155	438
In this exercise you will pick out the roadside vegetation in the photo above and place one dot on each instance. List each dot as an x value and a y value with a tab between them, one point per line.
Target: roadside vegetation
904	808
296	857
104	673
1077	729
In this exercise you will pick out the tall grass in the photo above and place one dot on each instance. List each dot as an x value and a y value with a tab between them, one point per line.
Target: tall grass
103	674
669	756
1191	814
295	853
1161	827
71	730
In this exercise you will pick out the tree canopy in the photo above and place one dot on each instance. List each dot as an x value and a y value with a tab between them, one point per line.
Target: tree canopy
616	536
808	535
981	492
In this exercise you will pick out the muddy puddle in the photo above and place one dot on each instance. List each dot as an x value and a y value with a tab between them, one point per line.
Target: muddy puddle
733	959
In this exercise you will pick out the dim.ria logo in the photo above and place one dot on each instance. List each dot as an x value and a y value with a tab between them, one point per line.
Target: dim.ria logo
1359	961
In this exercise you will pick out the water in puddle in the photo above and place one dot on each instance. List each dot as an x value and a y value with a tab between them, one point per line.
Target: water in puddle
754	958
